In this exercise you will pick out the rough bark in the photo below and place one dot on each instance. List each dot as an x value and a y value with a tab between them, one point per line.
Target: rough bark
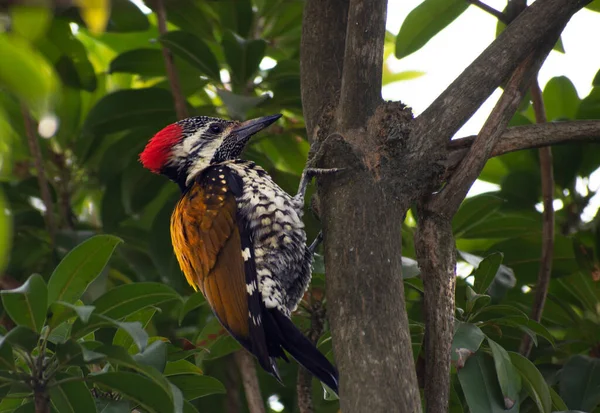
321	57
361	220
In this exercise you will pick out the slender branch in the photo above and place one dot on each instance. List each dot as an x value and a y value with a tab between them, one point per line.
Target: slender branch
34	148
519	138
436	254
489	9
247	369
363	63
547	176
448	201
233	403
180	103
304	382
440	121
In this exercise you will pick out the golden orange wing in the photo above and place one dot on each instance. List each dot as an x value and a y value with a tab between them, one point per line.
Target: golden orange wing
207	244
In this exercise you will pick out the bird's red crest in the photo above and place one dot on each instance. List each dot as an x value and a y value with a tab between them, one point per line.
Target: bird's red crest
158	149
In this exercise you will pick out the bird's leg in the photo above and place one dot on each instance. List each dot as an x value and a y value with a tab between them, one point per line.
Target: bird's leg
315	244
307	175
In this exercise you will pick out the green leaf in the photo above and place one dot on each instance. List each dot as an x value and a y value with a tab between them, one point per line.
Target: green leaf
425	21
144	62
75	354
503	310
29	22
5	218
22	337
557	402
480	385
238	105
127	109
61	311
70	57
580	383
7	359
194	51
594	6
508	377
194	386
475	301
155	355
486	272
560	99
134	329
243	56
191	303
143	316
466	341
140	389
533	381
27	304
589	108
112	406
118	356
71	397
80	267
127	299
474	211
181	367
29	76
126	17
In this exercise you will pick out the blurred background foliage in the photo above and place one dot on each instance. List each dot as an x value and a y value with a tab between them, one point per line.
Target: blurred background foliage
83	88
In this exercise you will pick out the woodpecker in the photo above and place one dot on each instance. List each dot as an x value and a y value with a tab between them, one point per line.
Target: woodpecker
239	238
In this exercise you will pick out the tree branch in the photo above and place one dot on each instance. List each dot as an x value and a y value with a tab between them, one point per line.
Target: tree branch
436	254
547	176
247	369
317	325
489	9
363	63
440	121
180	103
36	153
449	199
519	138
321	58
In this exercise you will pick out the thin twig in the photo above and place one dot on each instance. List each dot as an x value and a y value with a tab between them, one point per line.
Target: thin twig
547	176
489	9
233	403
34	148
180	103
247	369
304	382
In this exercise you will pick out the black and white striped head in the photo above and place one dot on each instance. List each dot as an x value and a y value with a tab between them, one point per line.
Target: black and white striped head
182	150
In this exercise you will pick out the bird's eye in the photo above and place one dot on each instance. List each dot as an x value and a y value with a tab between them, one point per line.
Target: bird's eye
216	128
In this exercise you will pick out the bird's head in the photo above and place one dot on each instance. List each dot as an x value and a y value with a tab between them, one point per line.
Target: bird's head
182	150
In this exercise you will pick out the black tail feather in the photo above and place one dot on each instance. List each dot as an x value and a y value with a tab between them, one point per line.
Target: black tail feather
300	348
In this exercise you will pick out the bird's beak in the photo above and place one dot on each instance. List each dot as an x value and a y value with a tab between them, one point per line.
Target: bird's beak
250	127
